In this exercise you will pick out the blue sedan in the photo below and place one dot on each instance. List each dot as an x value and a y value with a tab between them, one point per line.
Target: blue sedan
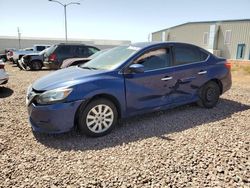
126	81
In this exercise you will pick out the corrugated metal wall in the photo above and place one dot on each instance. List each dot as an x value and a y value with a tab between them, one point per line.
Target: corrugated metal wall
240	34
194	32
190	33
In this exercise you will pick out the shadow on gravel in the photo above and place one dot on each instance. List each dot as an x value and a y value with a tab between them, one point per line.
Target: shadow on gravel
157	124
5	92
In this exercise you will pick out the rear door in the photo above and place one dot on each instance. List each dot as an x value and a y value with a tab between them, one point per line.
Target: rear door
190	72
81	51
63	52
151	89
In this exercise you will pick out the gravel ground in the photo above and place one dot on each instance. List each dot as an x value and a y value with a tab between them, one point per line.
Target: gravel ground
184	147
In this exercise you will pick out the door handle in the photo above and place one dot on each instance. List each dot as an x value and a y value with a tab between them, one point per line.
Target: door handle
202	72
167	78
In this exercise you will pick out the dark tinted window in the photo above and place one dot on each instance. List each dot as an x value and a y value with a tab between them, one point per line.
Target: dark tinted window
185	54
203	56
40	48
82	51
188	54
155	59
92	50
65	50
73	51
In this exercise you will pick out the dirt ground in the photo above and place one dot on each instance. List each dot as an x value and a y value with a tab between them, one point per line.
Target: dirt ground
184	147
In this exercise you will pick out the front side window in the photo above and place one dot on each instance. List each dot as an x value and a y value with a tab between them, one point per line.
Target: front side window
188	54
155	59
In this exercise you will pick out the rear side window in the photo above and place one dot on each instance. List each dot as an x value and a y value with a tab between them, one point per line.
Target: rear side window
203	55
63	50
188	54
92	50
40	48
82	51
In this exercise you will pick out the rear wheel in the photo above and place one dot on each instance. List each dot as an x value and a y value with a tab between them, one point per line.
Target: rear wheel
98	118
36	65
209	95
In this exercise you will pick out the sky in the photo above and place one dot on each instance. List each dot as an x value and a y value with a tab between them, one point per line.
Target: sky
111	19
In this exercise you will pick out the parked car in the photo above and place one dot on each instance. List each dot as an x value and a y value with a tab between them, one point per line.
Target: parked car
126	81
58	53
3	54
77	61
32	61
10	54
35	49
4	77
3	57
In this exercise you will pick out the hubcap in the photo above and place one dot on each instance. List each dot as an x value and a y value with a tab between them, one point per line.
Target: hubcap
100	118
211	94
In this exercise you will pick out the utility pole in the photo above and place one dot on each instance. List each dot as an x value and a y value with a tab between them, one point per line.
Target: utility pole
19	38
65	22
65	14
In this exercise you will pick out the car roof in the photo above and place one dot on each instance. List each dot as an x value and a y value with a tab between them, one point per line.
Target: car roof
71	44
148	44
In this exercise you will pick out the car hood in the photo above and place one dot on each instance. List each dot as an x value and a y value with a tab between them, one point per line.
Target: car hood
65	78
30	54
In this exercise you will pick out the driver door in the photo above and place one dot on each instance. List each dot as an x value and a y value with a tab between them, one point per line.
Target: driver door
151	89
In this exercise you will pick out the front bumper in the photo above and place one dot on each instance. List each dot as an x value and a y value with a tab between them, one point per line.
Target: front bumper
20	64
54	118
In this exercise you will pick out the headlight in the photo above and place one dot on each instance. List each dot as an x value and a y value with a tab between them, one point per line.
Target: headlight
53	96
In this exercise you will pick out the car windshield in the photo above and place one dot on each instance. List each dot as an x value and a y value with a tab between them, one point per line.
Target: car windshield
111	59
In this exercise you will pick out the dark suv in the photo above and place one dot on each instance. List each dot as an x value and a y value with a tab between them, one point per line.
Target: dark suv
56	54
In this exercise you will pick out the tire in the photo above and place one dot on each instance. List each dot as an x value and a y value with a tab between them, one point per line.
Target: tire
4	59
36	65
209	95
91	118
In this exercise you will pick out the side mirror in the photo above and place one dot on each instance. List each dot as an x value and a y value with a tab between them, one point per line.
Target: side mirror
136	68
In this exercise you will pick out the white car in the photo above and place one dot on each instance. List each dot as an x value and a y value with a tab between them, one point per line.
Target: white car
4	77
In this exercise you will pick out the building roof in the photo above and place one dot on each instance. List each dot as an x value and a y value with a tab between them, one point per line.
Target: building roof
216	21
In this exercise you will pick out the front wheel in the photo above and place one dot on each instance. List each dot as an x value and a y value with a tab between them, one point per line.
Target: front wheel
209	95
98	118
36	65
4	59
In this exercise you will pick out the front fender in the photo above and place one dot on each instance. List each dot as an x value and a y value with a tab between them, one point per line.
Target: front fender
108	85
